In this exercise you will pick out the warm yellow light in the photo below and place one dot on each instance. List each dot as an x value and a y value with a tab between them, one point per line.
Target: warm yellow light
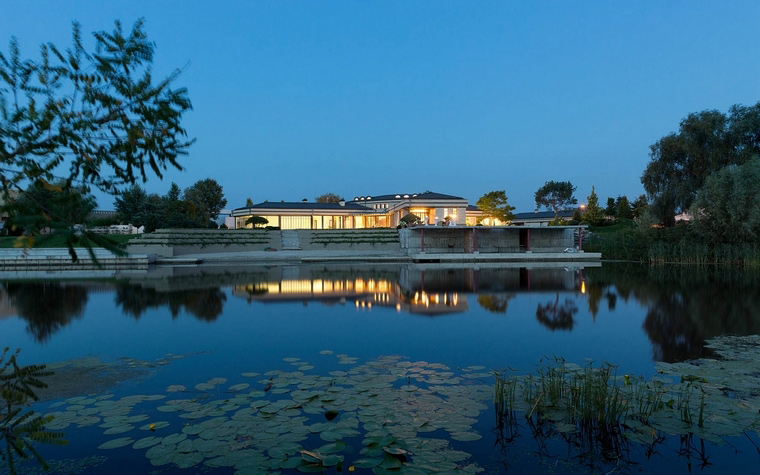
583	286
398	307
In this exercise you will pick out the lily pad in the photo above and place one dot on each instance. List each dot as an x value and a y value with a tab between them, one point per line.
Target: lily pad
116	443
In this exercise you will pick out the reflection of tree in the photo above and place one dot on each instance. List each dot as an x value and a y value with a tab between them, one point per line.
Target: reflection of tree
204	304
554	316
47	306
684	306
495	303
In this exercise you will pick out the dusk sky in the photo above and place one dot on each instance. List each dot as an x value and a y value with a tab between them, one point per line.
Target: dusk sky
295	99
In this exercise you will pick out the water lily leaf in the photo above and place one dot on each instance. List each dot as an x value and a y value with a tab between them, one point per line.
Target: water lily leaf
205	446
249	375
174	438
154	425
326	352
367	462
335	447
204	386
311	456
291	462
175	388
310	468
146	442
332	460
239	387
119	429
159	450
395	450
391	463
466	436
116	443
291	360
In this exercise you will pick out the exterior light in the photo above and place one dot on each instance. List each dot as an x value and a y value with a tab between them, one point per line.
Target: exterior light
398	196
406	196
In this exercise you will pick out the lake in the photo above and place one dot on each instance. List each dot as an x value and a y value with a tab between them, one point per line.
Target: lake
384	368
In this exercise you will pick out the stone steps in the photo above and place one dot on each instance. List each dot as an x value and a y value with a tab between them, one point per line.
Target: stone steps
290	240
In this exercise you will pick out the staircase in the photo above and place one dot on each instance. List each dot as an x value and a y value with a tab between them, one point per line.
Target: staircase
290	240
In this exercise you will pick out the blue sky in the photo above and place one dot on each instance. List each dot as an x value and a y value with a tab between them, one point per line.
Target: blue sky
295	99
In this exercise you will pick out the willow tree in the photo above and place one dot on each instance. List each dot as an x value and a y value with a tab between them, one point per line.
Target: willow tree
86	119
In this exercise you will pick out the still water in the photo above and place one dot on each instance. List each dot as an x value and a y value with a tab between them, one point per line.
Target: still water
254	352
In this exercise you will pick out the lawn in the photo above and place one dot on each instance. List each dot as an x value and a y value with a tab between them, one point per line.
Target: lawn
56	241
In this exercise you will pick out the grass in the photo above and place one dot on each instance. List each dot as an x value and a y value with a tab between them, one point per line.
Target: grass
58	242
677	245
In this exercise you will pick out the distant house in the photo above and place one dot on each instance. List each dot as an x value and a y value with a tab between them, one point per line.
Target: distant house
541	218
533	218
362	212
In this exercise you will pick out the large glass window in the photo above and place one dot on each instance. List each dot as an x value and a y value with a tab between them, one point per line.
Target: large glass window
295	222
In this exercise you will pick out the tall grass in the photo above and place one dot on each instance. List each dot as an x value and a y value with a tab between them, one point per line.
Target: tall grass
679	245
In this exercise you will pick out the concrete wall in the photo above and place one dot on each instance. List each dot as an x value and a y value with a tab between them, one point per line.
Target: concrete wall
484	239
498	239
551	239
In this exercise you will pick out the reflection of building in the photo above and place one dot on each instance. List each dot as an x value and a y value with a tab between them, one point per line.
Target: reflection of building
312	289
363	212
423	290
366	293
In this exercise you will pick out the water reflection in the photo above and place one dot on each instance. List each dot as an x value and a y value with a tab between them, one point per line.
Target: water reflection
684	306
46	306
204	304
556	316
681	306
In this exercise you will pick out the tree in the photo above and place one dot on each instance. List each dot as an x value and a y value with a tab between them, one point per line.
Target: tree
556	196
611	209
328	198
594	213
255	221
623	208
130	205
174	194
98	118
706	142
409	219
249	202
494	205
727	208
640	205
208	197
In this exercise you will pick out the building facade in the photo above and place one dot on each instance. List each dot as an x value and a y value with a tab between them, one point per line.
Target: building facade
379	211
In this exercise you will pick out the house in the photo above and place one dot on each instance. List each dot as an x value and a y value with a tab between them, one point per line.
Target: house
369	211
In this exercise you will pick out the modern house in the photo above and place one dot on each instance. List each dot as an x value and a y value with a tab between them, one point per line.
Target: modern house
363	212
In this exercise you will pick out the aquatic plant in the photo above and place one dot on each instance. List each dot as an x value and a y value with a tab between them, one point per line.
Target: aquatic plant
20	429
284	420
599	412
